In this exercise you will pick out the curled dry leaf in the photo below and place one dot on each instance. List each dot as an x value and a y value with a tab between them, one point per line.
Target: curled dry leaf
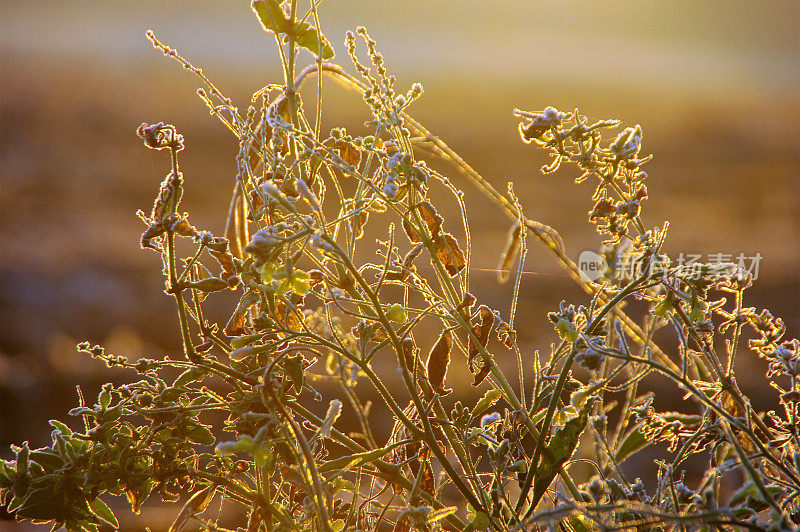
445	245
349	153
169	197
291	319
197	504
235	325
467	302
155	230
225	260
449	253
184	228
412	254
315	277
424	470
481	331
359	219
439	360
431	218
255	203
410	354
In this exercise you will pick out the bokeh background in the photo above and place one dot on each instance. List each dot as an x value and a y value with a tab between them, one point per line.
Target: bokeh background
714	85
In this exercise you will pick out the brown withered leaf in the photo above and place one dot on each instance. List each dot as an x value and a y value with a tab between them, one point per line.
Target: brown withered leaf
410	354
427	481
315	277
439	360
481	330
467	302
256	202
209	284
349	153
225	260
235	325
397	488
431	218
184	228
291	320
402	525
155	230
601	209
424	470
732	407
394	275
477	365
482	373
197	504
357	224
293	477
449	253
513	244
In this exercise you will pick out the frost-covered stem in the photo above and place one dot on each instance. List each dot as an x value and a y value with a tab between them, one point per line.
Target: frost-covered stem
309	458
562	379
175	285
427	434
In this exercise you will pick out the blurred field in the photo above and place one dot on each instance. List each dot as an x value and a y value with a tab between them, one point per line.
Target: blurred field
714	85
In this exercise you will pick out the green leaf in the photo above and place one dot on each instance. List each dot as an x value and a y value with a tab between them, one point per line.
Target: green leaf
485	402
480	521
50	460
102	511
202	435
271	15
566	330
187	377
293	366
441	513
557	451
241	341
310	38
337	525
22	459
6	480
578	524
300	282
210	284
338	483
345	463
634	441
260	457
397	313
65	430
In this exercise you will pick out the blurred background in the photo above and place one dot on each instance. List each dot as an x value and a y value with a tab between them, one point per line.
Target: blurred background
714	85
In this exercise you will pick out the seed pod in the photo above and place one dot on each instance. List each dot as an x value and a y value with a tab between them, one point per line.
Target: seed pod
513	244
